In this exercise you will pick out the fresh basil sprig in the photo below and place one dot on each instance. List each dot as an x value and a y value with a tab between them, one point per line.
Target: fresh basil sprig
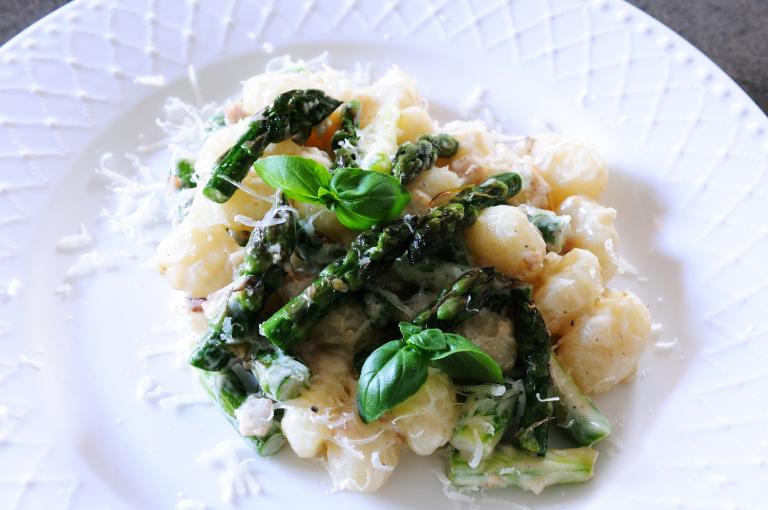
391	374
397	369
360	198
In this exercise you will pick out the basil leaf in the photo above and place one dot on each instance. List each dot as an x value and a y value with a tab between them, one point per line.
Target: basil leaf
466	361
407	329
350	219
328	198
430	340
367	197
391	374
300	178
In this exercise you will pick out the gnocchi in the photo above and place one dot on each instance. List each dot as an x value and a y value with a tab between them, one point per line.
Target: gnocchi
569	285
309	420
429	185
503	237
361	457
592	229
198	260
604	345
426	420
413	122
570	167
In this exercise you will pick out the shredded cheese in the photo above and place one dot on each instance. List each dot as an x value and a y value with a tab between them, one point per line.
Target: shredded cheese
254	416
236	477
75	242
11	288
89	264
377	464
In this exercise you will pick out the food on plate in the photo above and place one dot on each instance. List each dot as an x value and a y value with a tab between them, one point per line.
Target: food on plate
373	281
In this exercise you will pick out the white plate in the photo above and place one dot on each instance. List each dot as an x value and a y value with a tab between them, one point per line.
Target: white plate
687	148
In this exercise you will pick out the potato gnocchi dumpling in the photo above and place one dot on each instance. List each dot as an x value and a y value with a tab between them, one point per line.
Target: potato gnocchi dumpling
429	185
503	237
413	122
426	419
569	285
592	229
570	167
310	419
362	457
199	260
604	345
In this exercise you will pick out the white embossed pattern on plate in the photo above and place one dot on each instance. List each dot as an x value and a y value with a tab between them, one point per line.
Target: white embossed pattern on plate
690	145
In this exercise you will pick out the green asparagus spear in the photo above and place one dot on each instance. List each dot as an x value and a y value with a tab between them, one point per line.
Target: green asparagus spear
461	300
575	412
267	251
445	145
510	467
534	349
291	113
280	376
413	158
345	138
554	229
228	393
370	254
441	222
485	416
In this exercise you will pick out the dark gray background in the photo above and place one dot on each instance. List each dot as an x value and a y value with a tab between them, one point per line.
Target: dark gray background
734	33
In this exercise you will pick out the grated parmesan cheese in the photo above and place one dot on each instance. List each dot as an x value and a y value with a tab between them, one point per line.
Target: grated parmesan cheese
26	361
245	189
74	242
452	492
10	288
236	477
254	416
377	464
89	264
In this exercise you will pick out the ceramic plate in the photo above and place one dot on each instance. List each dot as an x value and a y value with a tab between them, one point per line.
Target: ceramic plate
688	152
